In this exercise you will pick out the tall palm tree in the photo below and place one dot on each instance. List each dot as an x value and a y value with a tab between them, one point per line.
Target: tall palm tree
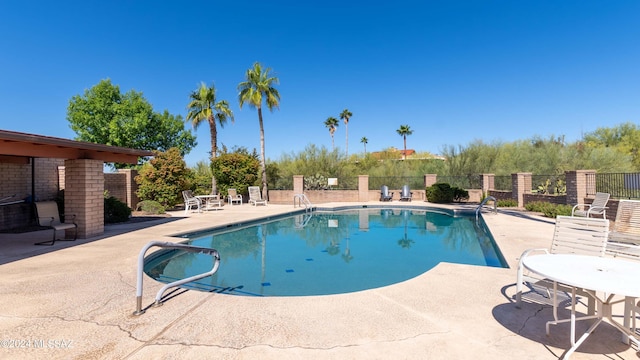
332	124
364	140
346	115
259	85
204	107
403	131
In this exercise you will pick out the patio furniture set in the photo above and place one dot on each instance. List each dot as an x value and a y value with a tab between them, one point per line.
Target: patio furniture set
214	202
587	258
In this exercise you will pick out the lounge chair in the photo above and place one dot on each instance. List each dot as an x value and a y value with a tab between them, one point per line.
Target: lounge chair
597	207
385	195
48	215
234	197
405	194
191	202
572	235
255	197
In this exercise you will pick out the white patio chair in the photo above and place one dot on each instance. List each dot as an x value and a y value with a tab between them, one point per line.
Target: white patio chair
234	197
48	215
255	197
624	238
624	242
191	202
597	207
572	235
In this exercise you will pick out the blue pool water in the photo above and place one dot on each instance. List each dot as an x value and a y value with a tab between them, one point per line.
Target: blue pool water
329	252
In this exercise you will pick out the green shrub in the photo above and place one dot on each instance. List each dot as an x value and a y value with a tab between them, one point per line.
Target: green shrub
549	209
440	193
460	194
115	211
150	207
507	203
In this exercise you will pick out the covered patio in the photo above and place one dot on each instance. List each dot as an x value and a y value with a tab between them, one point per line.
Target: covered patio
29	166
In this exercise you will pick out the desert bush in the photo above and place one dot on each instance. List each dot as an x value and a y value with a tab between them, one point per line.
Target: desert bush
150	207
115	211
507	203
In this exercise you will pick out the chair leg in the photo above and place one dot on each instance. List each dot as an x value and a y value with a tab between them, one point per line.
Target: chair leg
50	242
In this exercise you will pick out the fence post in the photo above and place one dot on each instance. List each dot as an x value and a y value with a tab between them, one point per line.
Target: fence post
521	184
430	179
363	187
298	184
577	186
488	182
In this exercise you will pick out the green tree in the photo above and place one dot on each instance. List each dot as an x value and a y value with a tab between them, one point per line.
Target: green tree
404	131
163	178
204	107
345	115
364	141
201	182
624	137
237	170
104	115
259	86
332	124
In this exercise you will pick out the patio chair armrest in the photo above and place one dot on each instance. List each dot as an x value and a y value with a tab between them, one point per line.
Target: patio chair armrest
68	217
529	251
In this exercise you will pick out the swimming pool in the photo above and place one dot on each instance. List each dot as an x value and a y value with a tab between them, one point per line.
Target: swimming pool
329	252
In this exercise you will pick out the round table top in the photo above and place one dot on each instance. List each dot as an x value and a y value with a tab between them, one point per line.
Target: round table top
610	275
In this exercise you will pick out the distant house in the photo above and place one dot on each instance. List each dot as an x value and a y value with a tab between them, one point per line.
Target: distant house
408	153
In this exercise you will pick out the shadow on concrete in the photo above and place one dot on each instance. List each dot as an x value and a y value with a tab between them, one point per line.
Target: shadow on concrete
19	246
530	321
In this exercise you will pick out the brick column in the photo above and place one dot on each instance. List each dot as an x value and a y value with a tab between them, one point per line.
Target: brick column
577	186
430	179
488	182
131	187
298	184
521	184
363	187
84	195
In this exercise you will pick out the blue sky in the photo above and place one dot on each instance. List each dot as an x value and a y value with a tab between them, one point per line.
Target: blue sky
454	71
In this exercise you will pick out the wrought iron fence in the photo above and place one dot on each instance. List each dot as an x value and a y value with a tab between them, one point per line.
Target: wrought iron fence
549	184
396	182
502	182
619	185
462	181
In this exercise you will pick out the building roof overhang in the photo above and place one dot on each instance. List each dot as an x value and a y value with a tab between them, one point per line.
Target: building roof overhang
15	145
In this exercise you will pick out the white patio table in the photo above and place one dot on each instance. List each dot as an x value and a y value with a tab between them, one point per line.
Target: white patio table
598	276
210	202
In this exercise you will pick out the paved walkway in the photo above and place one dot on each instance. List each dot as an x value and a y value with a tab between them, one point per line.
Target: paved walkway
75	300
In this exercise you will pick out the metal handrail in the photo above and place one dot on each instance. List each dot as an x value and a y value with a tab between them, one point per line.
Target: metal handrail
488	198
302	199
169	245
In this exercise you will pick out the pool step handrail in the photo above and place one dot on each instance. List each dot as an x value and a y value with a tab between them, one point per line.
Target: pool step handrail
482	204
170	245
302	199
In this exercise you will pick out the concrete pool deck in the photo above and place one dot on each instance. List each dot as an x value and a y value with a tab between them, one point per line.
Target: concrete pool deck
74	300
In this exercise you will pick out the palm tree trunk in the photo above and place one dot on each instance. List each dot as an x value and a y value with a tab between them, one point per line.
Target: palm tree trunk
346	130
404	157
214	150
263	165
